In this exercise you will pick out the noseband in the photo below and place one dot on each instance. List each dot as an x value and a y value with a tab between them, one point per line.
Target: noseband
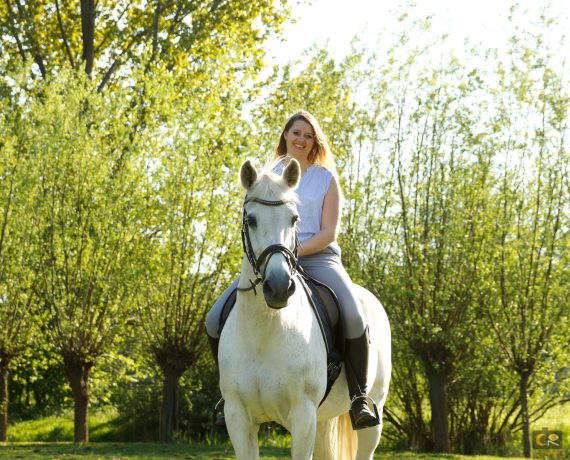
268	252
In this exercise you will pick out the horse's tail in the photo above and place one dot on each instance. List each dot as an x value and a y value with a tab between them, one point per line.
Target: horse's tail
336	439
347	439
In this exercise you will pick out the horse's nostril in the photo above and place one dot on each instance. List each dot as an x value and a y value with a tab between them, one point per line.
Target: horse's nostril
292	287
267	289
278	291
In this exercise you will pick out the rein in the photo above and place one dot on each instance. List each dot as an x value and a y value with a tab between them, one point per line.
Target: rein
268	252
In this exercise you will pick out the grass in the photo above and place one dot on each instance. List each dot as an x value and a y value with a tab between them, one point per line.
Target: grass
50	438
130	451
60	429
146	451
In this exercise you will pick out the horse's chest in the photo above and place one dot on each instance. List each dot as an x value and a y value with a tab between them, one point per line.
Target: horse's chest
267	371
279	367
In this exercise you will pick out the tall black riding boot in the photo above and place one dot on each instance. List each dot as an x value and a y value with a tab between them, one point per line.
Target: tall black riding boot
356	364
218	414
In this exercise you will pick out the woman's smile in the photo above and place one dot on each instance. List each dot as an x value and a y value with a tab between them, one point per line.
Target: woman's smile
300	138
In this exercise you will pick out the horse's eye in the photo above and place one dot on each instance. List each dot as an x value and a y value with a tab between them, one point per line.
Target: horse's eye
294	220
251	221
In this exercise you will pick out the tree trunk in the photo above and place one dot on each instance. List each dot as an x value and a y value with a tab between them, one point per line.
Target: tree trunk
88	33
169	403
437	382
524	414
418	439
78	375
3	403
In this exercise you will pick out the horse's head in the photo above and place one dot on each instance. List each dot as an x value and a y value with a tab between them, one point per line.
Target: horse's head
269	230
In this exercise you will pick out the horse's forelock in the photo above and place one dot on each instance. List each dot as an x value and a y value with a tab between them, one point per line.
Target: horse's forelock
270	186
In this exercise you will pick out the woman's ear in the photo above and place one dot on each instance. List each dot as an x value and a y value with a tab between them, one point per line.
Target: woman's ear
292	173
247	175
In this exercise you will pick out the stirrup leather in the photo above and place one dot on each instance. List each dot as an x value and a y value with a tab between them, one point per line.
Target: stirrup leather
373	422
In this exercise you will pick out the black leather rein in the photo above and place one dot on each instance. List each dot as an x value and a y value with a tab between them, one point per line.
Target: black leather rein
268	252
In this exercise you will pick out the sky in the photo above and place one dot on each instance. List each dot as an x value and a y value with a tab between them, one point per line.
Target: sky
334	23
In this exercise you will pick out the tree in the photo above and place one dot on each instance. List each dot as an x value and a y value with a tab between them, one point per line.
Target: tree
423	220
85	214
426	222
194	215
434	176
17	283
202	45
527	308
103	37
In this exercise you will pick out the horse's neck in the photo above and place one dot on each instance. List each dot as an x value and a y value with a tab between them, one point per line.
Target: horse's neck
246	274
252	308
252	299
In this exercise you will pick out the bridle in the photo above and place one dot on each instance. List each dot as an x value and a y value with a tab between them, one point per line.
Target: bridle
257	262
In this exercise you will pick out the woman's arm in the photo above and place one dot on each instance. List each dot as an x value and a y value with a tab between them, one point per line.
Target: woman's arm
330	222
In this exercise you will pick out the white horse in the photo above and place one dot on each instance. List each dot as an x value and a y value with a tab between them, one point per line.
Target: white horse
273	360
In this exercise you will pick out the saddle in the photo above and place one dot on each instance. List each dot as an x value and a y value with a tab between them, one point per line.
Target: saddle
326	308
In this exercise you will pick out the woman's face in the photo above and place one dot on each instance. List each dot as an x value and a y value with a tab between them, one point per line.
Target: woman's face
299	139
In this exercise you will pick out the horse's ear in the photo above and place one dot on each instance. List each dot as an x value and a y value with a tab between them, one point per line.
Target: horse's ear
247	174
292	173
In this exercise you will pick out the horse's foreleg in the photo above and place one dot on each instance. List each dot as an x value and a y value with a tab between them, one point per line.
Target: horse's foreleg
368	440
303	428
242	431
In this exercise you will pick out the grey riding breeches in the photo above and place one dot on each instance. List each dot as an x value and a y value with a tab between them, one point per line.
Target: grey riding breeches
326	267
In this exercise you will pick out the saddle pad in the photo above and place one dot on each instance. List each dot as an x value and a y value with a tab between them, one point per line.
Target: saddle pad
327	310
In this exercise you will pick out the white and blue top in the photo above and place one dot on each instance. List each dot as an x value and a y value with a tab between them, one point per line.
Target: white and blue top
311	192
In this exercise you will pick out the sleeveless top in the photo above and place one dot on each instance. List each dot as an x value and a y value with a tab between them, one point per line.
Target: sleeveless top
311	192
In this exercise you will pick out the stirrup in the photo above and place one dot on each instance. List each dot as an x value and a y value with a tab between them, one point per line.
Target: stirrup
218	419
373	422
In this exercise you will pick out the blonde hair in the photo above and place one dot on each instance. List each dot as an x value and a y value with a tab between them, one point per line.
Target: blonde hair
320	154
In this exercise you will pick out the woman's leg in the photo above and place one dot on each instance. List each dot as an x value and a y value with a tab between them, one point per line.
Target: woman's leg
213	316
327	268
213	333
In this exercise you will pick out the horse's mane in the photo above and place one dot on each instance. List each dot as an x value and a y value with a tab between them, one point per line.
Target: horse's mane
270	186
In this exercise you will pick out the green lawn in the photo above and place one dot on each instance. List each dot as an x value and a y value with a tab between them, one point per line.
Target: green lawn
131	451
140	451
48	438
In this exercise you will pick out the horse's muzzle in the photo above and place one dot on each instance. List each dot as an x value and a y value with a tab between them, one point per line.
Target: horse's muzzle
278	292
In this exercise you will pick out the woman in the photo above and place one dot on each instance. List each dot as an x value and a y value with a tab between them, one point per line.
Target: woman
319	253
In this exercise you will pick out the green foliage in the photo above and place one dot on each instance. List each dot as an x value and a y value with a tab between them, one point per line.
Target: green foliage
38	385
17	282
103	37
193	215
137	395
120	209
136	400
431	149
83	212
